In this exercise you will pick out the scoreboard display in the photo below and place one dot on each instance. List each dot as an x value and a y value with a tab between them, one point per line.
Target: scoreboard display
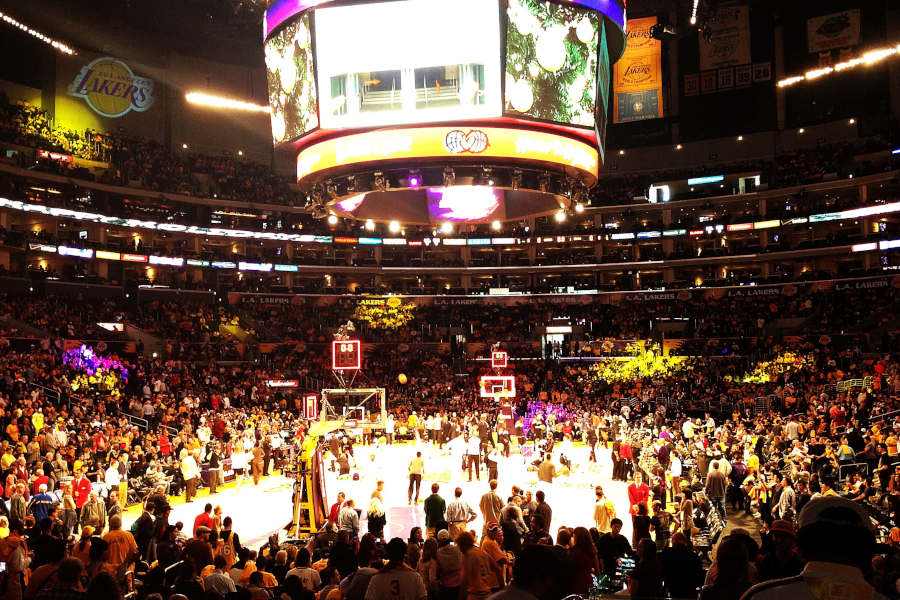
499	359
346	355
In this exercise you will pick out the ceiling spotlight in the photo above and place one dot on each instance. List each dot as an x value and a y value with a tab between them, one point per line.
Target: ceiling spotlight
380	182
394	226
331	189
332	219
544	182
560	216
446	227
496	225
579	207
852	121
485	178
414	179
679	147
621	153
370	225
516	179
184	146
740	138
240	152
449	176
801	130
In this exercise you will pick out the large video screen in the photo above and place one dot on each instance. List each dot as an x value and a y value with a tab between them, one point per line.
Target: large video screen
407	62
292	90
551	63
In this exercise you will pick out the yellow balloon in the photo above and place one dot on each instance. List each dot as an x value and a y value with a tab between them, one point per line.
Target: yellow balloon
401	378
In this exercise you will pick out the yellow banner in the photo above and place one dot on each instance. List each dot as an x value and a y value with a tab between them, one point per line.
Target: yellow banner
637	76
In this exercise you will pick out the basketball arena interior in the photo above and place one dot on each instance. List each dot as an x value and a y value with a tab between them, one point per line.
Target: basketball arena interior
449	299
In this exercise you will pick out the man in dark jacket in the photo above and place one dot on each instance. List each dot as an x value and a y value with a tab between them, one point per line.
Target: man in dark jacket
716	486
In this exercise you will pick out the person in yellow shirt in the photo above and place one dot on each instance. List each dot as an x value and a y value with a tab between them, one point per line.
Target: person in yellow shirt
891	443
4	528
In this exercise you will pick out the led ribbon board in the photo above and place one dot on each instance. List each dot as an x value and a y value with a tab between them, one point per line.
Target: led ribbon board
471	143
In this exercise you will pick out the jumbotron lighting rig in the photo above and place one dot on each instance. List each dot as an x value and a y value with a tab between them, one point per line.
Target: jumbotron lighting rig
434	111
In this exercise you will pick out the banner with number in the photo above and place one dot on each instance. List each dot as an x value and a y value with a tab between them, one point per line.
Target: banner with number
837	30
727	42
637	76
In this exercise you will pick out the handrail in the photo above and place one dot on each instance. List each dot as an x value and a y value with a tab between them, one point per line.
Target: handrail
133	420
49	392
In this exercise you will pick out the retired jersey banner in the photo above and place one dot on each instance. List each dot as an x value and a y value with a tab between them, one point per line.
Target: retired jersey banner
728	41
837	30
637	76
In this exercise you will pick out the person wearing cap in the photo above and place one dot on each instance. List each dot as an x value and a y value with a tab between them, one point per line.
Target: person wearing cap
836	539
449	559
782	560
493	547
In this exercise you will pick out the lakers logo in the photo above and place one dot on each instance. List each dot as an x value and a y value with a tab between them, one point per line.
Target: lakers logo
459	142
111	89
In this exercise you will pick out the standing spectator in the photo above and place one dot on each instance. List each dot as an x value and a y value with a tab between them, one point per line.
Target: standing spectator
203	519
348	519
435	507
416	468
459	514
449	560
716	487
491	506
396	581
191	474
40	504
122	547
583	556
93	513
543	509
604	511
645	581
478	570
682	569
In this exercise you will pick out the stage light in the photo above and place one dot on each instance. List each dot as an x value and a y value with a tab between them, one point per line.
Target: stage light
496	225
394	226
37	34
579	207
544	182
370	225
694	12
414	179
240	152
560	216
446	227
201	99
516	180
332	219
449	176
852	121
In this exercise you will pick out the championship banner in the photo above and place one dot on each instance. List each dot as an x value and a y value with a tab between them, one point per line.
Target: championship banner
728	41
637	76
837	30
